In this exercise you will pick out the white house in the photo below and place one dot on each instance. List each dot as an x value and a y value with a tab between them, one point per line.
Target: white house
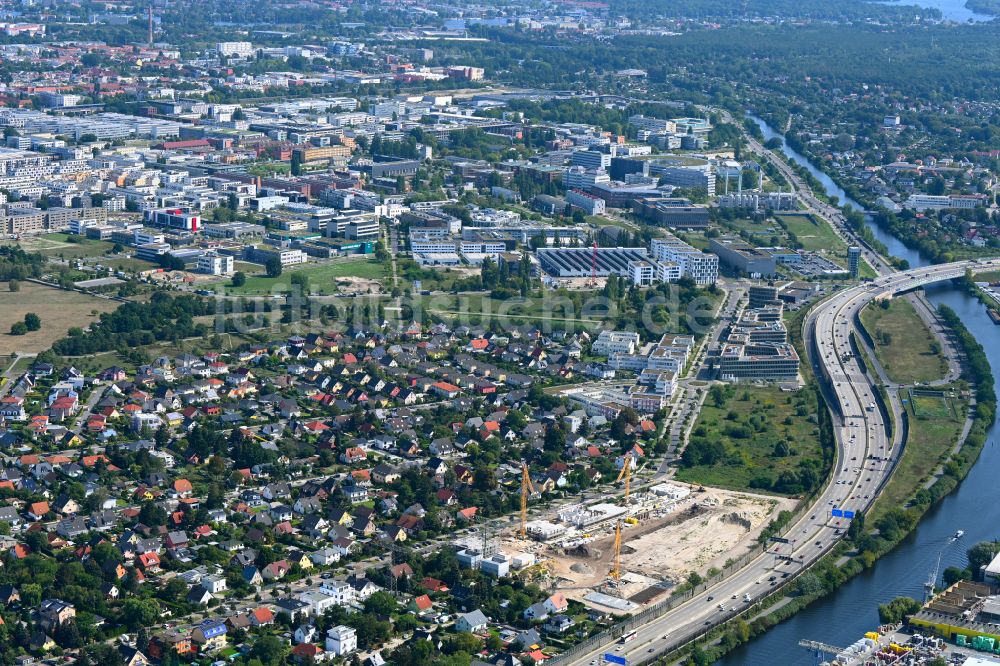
306	633
473	622
319	602
341	640
214	584
341	592
325	557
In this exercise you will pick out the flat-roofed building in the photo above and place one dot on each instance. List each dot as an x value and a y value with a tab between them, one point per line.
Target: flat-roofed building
758	360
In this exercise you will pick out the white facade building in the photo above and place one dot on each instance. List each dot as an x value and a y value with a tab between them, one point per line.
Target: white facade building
341	640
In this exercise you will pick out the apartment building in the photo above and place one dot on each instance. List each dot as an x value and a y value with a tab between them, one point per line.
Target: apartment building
611	342
701	267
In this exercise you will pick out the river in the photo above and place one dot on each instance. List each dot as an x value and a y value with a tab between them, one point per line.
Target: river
844	616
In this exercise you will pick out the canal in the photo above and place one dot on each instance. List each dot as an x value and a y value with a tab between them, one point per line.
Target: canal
844	616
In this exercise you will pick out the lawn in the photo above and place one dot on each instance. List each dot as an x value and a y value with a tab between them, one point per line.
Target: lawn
59	245
814	234
989	276
766	434
129	264
905	347
322	276
58	309
933	433
476	308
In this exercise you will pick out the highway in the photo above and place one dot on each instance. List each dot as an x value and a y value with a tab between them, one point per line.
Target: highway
865	459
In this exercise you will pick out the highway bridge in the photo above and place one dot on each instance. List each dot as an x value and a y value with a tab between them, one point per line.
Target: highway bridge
866	456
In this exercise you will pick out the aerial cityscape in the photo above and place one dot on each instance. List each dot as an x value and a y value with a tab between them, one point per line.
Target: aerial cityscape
460	333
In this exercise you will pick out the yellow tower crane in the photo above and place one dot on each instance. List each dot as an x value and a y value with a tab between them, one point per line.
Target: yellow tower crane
626	474
616	570
527	487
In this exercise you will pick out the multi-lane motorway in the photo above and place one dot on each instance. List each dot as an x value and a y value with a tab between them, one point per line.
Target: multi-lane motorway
865	458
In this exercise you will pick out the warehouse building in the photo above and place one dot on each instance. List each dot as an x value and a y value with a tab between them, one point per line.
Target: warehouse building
579	261
743	258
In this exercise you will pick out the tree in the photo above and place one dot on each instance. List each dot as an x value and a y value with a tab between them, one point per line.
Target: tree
139	613
380	603
273	267
897	609
302	281
18	328
982	554
239	279
14	285
270	650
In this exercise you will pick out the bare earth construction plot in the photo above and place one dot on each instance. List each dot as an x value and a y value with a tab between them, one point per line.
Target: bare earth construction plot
58	309
704	531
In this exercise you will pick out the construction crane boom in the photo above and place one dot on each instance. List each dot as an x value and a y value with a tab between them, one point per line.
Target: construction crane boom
527	487
616	570
626	473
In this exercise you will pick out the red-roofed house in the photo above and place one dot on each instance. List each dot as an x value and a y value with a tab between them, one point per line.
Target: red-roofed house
445	390
38	510
261	616
421	604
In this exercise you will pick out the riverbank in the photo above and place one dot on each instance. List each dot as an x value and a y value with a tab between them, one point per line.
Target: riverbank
866	546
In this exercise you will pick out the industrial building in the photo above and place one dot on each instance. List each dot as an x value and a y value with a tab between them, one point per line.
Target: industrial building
582	261
743	258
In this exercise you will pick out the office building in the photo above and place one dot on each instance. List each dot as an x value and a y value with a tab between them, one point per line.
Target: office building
761	295
591	159
758	360
215	264
173	218
699	176
362	229
287	257
854	260
588	203
654	125
579	178
235	49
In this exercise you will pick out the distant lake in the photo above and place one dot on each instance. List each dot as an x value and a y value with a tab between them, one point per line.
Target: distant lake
951	10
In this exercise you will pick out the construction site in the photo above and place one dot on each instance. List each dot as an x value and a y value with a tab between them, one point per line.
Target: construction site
619	556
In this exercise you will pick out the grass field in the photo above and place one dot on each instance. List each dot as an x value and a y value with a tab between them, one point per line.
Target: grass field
989	276
933	433
129	264
814	234
322	277
58	309
751	423
57	245
476	308
904	346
